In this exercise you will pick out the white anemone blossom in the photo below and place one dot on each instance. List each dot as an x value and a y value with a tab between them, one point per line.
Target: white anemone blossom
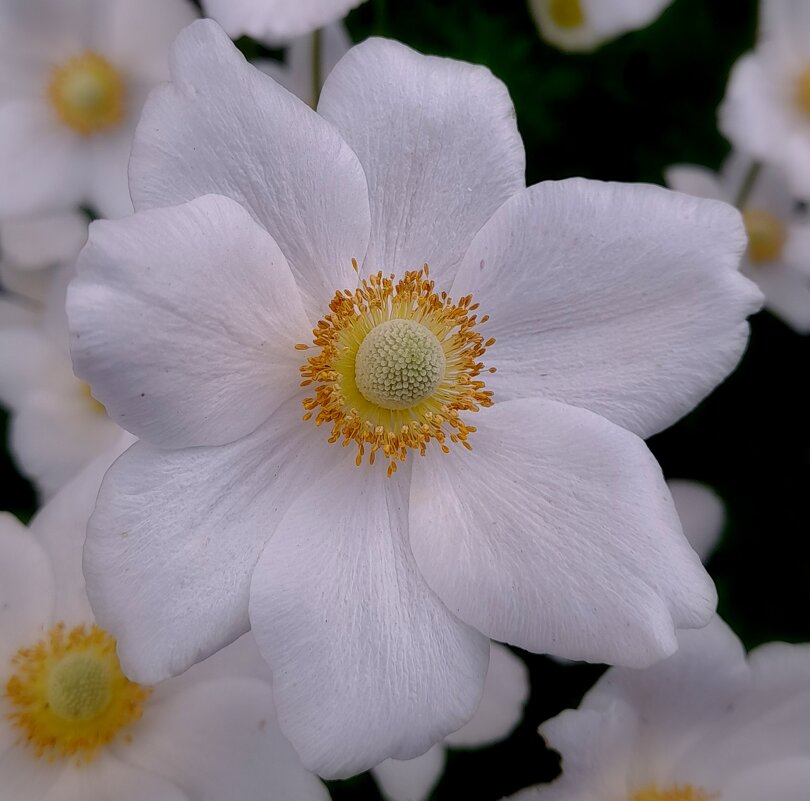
73	77
766	110
297	72
581	25
707	724
327	454
73	726
276	21
778	254
506	690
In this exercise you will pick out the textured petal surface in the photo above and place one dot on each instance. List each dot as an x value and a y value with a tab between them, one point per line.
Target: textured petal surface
557	534
219	740
184	322
276	21
222	126
410	779
367	663
623	299
438	142
176	534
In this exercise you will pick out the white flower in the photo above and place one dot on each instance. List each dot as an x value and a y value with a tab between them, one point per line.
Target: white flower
276	21
701	512
72	726
297	73
778	255
374	597
586	24
56	425
506	690
707	724
74	77
766	111
31	249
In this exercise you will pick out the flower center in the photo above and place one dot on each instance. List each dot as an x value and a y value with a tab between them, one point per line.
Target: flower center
566	13
397	364
679	792
766	235
803	91
87	93
68	693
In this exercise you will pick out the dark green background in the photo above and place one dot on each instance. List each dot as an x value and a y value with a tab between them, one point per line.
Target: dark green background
624	113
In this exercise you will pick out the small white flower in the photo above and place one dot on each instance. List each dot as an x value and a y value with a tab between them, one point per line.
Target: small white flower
74	77
73	726
276	21
506	690
707	724
702	514
377	573
297	72
579	25
778	254
56	426
766	111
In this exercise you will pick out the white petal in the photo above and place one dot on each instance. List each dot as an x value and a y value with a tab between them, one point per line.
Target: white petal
786	779
702	514
557	533
367	663
264	148
108	778
602	21
276	21
36	242
26	591
787	293
439	145
694	180
176	534
219	740
335	43
108	192
623	299
184	322
40	159
24	777
410	779
506	690
26	355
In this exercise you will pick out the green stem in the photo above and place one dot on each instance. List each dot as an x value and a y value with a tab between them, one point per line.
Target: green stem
317	65
748	184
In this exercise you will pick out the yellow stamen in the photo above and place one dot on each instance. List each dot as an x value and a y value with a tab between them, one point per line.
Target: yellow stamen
87	93
566	13
397	364
95	405
766	235
680	792
68	694
803	91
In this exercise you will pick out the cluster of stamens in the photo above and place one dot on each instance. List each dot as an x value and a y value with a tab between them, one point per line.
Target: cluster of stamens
679	792
417	373
68	694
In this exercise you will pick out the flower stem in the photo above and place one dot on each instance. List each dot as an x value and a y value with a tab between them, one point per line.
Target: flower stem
317	65
748	184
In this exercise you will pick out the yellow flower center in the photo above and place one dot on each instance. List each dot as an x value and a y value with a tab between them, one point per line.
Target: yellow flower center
766	235
68	694
680	792
95	405
397	364
566	13
803	91
87	93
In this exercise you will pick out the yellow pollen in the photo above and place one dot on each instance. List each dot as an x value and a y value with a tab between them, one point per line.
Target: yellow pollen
68	694
679	792
766	235
803	91
95	405
398	363
566	13
87	93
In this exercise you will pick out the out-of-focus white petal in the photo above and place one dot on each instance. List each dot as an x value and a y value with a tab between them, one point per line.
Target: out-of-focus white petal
702	514
410	779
